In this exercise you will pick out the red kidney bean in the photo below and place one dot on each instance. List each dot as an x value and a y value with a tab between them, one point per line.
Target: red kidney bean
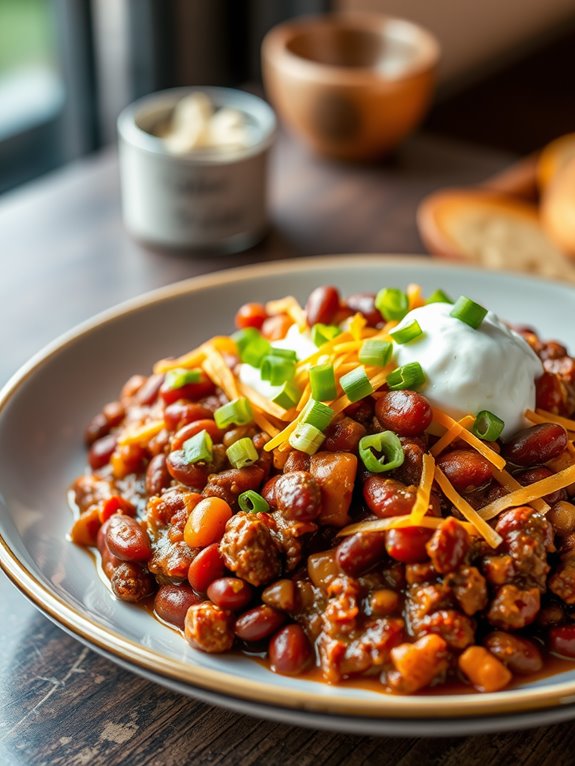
268	491
191	391
359	552
157	475
109	563
130	582
149	390
296	461
181	413
362	411
548	393
409	472
281	595
251	315
173	601
466	469
364	303
290	651
343	435
101	451
322	305
298	496
408	544
191	429
112	415
206	567
101	537
531	475
536	445
192	475
448	546
519	654
127	540
388	497
405	412
230	593
259	623
562	640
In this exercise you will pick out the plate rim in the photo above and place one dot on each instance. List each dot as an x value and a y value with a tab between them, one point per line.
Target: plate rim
113	643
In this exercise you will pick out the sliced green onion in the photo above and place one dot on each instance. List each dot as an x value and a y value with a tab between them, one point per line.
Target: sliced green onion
237	412
242	453
317	414
179	377
322	333
388	445
375	353
306	438
286	353
198	448
251	502
356	384
252	346
408	333
409	376
243	337
438	296
322	382
288	396
468	311
392	303
488	426
277	369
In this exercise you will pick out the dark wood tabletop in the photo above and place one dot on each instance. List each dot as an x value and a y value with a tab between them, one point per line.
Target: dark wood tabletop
64	255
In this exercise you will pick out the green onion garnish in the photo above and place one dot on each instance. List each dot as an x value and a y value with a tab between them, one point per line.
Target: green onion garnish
488	426
237	412
386	443
317	414
252	346
287	353
243	337
409	376
408	333
277	369
288	396
375	353
198	448
322	382
392	303
438	296
179	377
356	384
251	502
468	311
322	333
242	453
306	438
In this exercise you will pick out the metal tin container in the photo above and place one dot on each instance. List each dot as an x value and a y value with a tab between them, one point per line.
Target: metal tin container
209	199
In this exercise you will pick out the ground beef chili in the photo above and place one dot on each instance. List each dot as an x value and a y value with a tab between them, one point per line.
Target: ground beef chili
412	607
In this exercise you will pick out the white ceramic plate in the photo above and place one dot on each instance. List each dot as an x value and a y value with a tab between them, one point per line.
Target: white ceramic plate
45	407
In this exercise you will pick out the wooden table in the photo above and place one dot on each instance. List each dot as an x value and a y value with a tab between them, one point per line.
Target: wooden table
64	255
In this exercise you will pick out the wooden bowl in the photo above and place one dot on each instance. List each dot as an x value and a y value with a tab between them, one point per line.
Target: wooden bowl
351	85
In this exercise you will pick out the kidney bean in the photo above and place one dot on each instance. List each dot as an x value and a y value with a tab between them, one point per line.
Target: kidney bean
101	536
359	552
408	544
388	497
531	475
562	640
268	491
298	496
131	582
250	315
296	461
101	451
548	393
230	593
157	475
180	413
484	670
466	469
115	504
191	391
343	435
193	475
536	445
112	415
206	567
362	411
148	392
172	602
109	563
290	651
405	412
259	623
364	303
281	595
322	568
191	429
322	305
562	517
409	472
276	327
519	654
127	540
448	546
209	628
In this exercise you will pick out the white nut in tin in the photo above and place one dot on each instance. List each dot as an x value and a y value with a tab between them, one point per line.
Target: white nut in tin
179	190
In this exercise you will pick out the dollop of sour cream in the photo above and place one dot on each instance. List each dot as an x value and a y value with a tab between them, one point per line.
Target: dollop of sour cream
469	370
295	340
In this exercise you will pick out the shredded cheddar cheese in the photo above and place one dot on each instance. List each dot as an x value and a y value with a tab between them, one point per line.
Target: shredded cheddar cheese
216	368
142	434
398	522
448	422
421	505
451	434
510	484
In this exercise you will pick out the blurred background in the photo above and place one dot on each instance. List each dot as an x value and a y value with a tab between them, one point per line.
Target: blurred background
67	67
